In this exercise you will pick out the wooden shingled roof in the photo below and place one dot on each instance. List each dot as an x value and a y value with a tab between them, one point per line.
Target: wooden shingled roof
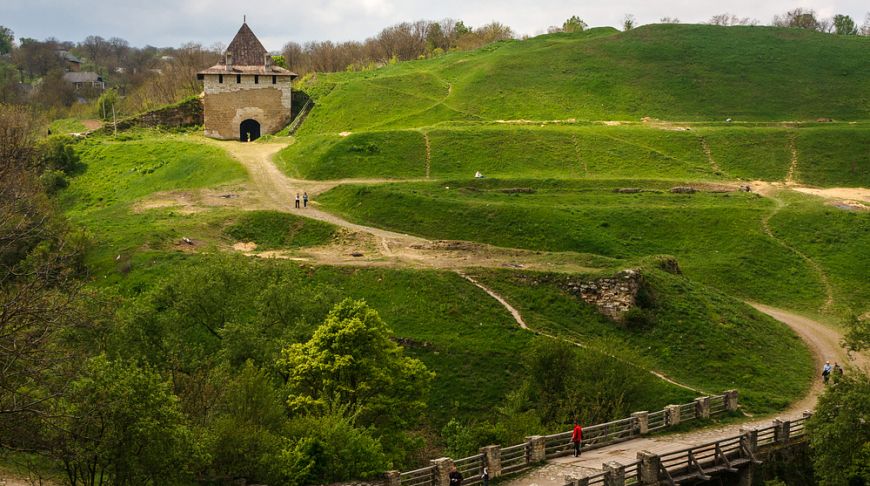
248	56
246	49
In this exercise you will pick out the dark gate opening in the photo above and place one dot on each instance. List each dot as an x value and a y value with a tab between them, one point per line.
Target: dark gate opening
249	131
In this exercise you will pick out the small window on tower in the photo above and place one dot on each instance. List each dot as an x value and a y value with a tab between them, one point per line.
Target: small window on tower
220	78
238	78
274	79
256	79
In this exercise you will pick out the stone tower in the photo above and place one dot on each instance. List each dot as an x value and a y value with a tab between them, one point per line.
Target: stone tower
245	95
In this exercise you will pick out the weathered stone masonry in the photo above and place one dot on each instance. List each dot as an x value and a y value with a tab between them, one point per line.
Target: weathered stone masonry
228	104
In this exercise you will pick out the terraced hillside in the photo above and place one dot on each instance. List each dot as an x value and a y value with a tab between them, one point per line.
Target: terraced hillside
601	151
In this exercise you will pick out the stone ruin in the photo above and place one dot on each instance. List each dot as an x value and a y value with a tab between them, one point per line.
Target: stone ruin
613	296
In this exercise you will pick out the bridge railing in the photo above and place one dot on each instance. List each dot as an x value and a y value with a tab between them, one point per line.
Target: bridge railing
508	460
698	462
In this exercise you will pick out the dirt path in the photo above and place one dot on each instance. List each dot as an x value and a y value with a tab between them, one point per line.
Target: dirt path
822	340
368	246
814	265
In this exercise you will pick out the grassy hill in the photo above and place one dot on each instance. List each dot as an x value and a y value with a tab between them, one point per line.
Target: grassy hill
673	72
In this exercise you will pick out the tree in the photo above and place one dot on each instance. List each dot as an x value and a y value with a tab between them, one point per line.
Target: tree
121	424
857	336
7	37
669	20
798	18
844	25
280	62
628	22
352	361
865	29
574	24
727	19
839	432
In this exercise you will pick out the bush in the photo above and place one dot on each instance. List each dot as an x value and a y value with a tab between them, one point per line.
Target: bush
57	153
53	181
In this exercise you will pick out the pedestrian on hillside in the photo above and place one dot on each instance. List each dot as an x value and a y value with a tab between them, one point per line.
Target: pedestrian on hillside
297	200
485	477
838	371
826	372
577	438
455	477
305	199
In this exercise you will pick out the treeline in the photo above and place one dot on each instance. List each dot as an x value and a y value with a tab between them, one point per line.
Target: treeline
401	42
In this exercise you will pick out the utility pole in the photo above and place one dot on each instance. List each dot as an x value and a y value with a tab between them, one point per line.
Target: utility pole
114	120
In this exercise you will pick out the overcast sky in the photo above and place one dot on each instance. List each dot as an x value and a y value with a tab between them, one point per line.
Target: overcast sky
170	23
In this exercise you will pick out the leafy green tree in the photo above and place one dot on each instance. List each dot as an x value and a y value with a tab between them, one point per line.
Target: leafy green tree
280	62
330	447
844	25
857	336
574	24
352	360
248	428
123	426
839	432
57	153
7	37
628	22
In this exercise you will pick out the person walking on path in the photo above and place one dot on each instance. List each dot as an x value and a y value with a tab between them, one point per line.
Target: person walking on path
305	199
838	372
455	477
297	200
577	438
826	372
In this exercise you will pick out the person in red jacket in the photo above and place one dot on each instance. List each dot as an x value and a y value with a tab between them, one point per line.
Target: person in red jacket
577	438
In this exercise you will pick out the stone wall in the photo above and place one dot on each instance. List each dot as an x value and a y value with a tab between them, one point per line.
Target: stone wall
184	114
613	296
229	103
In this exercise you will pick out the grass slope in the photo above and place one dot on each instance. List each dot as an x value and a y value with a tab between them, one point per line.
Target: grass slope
119	172
717	237
675	72
698	336
834	155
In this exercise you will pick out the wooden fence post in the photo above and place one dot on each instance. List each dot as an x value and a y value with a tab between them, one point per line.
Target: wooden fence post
492	460
641	422
781	430
648	469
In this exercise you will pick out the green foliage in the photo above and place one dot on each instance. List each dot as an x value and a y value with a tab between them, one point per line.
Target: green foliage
124	426
351	360
857	334
459	440
58	153
53	181
280	62
248	428
108	104
330	448
839	432
844	25
574	24
7	37
271	229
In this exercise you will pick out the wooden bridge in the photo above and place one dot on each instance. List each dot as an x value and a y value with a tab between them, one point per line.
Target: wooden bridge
623	450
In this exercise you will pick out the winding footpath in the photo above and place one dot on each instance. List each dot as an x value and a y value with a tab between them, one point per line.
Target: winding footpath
277	191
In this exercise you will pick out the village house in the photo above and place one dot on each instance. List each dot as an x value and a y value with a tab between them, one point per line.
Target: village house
245	94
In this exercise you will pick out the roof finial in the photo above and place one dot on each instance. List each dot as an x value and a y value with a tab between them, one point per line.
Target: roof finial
244	19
